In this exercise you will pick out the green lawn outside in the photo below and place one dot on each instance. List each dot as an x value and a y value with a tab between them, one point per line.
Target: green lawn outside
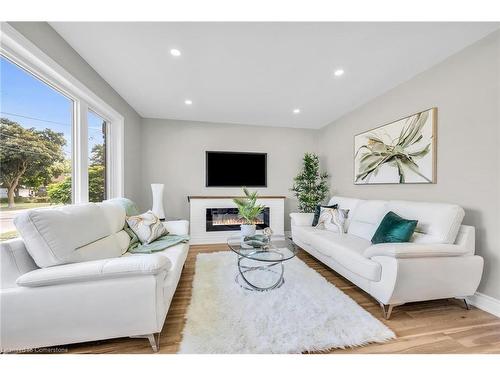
8	235
22	206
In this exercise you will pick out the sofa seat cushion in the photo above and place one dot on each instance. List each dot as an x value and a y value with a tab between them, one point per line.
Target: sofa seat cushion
55	236
176	255
345	249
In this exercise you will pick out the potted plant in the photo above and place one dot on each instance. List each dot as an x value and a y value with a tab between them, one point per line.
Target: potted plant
248	210
310	185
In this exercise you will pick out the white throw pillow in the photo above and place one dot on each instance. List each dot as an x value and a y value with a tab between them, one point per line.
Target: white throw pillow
147	227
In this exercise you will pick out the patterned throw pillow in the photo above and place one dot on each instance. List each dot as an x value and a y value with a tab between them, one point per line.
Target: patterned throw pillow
317	213
147	227
333	219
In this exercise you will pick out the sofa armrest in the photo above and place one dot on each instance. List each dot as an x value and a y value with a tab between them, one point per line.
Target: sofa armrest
150	264
414	250
302	218
178	227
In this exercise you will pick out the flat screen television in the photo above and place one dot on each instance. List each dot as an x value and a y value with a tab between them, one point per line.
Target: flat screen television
235	169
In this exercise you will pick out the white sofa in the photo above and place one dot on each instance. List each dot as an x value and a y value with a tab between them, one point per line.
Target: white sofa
439	262
71	280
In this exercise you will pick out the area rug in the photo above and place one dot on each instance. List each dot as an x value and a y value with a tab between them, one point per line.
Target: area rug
307	313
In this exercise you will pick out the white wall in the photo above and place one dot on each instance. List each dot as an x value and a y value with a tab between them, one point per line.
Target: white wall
51	43
175	156
465	89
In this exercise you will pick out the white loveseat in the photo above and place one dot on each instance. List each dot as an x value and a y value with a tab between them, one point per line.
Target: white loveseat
439	262
71	280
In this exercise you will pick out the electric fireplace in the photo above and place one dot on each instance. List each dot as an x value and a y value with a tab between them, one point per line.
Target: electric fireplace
227	219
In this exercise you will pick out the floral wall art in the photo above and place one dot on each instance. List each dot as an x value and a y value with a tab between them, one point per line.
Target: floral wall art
401	152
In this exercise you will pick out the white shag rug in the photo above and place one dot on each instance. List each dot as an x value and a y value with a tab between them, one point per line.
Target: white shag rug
307	313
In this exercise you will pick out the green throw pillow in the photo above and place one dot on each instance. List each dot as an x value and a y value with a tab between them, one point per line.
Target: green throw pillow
394	228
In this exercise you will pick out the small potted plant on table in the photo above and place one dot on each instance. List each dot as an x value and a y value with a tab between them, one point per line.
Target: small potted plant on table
249	210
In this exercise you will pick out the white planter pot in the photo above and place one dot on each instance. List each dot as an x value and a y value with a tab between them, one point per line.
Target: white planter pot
157	209
247	230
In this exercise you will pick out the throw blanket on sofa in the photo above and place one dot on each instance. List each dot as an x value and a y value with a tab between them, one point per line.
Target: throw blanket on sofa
135	245
160	244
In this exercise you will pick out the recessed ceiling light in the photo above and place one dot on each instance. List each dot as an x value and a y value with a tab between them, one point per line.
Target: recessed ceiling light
175	52
338	72
188	102
296	110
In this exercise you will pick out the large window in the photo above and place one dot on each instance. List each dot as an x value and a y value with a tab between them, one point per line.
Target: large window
36	125
60	143
97	130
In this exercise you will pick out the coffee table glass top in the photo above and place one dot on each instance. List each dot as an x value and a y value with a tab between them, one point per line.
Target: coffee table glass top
280	248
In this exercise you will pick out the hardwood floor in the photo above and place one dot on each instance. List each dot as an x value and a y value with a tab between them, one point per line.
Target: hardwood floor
442	326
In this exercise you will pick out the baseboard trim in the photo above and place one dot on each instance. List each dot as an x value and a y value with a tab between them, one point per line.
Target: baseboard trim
486	303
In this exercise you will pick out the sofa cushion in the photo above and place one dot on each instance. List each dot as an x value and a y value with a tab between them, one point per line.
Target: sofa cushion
57	235
106	247
366	218
176	255
345	249
437	222
114	213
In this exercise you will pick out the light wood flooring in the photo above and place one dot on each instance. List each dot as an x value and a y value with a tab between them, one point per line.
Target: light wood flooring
441	326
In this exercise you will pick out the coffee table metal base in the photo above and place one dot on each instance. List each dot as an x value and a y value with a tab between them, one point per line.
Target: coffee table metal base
244	270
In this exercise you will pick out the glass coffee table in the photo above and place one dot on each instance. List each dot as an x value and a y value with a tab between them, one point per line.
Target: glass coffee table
261	268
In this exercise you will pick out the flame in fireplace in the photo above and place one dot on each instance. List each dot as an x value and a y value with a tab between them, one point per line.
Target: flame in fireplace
232	220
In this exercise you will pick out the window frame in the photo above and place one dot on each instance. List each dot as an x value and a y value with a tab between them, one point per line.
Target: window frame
15	47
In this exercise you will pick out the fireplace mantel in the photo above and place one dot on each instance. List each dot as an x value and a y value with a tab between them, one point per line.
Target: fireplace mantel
199	204
232	196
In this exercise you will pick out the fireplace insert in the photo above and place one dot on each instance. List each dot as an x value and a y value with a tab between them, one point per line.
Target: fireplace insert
226	219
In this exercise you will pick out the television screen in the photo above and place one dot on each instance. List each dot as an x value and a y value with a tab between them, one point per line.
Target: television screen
236	169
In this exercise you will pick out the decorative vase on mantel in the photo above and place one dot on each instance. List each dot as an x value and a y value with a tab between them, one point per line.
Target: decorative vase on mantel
157	190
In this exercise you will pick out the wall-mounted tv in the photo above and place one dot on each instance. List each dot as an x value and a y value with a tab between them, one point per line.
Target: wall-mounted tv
235	169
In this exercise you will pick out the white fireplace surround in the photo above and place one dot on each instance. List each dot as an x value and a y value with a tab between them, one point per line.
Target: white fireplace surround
197	217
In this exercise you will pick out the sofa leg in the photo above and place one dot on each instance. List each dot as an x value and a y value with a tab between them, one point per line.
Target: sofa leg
467	306
386	310
154	341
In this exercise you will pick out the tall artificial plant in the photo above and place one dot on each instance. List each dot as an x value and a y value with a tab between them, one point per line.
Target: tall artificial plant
247	207
310	185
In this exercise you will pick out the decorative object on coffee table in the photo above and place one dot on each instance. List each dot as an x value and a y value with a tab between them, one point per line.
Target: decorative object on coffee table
249	210
401	152
268	232
257	240
157	209
261	268
310	185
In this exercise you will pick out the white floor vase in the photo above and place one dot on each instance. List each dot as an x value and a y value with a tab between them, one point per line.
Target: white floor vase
307	313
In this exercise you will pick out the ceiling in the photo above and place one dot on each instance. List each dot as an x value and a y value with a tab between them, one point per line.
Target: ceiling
258	73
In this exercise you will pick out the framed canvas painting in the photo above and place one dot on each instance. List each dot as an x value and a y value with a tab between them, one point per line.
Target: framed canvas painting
401	152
